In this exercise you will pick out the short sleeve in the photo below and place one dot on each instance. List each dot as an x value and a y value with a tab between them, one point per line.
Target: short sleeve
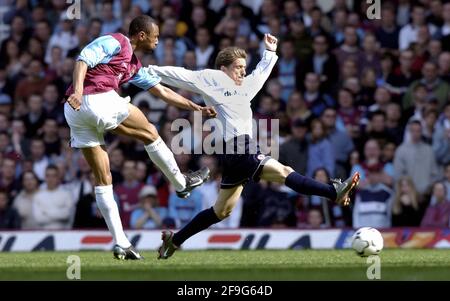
99	51
145	79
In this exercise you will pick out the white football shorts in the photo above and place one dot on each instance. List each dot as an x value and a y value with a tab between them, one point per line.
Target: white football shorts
98	113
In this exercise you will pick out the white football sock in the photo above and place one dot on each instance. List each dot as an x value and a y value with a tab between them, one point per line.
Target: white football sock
108	207
163	157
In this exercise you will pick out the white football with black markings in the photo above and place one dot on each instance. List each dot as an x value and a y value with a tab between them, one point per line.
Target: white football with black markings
367	241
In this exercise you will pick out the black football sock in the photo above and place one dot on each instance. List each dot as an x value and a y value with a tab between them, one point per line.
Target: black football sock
200	222
308	186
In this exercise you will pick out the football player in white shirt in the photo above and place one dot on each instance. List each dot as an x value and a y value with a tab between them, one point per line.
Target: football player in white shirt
230	92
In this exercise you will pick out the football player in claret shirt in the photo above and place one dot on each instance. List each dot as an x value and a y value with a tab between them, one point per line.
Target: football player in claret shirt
94	107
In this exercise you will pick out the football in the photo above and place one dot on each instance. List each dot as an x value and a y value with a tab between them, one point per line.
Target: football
367	241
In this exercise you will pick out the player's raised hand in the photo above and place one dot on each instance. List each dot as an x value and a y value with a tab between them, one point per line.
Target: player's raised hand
74	100
270	42
209	111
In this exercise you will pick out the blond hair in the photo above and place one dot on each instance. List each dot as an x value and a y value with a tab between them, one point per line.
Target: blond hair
397	206
228	55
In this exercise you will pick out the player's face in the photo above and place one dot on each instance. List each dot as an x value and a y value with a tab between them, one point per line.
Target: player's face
150	41
236	71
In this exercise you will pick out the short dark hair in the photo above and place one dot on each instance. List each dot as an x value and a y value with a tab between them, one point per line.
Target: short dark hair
140	23
416	122
52	167
377	113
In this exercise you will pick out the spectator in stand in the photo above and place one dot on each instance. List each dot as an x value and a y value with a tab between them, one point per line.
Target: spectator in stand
278	209
321	62
400	79
349	116
204	49
9	218
87	213
316	100
350	48
302	40
82	35
387	67
441	137
447	180
376	129
315	219
38	157
110	23
371	56
294	152
52	103
444	66
286	68
416	159
116	161
438	212
149	214
436	87
296	108
387	34
64	38
408	33
406	207
52	206
36	115
23	202
341	142
320	150
181	211
18	33
332	214
50	136
372	160
319	24
382	99
128	191
429	125
8	181
394	126
373	202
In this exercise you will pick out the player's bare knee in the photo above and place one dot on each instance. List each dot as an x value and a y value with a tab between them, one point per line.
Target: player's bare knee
103	179
223	214
286	171
150	134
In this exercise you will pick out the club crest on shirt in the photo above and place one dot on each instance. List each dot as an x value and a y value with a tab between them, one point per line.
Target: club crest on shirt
232	93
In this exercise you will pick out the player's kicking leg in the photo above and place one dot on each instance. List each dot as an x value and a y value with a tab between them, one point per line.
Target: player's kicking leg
98	160
338	191
138	127
225	203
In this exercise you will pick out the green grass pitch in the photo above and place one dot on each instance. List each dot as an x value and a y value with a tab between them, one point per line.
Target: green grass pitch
230	265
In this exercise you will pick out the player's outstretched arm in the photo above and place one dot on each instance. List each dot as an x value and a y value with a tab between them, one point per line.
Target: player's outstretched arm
79	73
175	99
178	77
258	77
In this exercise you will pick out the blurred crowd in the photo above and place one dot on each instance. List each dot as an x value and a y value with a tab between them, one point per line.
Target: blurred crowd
350	93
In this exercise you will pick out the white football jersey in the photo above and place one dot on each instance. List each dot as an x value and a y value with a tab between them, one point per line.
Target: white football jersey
232	102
